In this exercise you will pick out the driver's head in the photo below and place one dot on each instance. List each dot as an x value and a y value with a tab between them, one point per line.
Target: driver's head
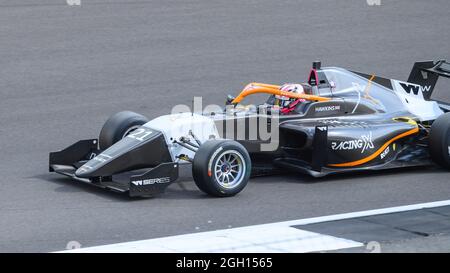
290	87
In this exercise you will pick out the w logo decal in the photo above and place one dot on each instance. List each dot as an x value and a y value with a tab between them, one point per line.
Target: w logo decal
414	88
411	88
426	88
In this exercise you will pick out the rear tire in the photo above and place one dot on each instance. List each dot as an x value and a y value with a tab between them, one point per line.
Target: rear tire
119	126
221	168
439	141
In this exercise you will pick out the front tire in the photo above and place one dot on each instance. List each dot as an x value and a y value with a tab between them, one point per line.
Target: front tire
119	126
439	141
221	168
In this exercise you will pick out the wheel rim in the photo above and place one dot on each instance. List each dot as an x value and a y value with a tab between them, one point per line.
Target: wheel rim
229	169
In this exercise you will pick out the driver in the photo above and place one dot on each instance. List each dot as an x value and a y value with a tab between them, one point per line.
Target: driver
286	104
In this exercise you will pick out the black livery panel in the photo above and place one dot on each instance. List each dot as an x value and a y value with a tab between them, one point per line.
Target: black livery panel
136	151
350	143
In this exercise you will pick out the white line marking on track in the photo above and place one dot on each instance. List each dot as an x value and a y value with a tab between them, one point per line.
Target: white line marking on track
365	213
273	237
245	239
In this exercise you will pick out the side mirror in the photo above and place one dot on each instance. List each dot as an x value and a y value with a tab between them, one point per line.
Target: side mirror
230	99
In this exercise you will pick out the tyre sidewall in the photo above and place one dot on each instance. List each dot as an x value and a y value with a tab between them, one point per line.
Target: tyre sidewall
117	125
439	140
205	164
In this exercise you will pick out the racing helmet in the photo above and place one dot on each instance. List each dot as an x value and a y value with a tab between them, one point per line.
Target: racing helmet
285	102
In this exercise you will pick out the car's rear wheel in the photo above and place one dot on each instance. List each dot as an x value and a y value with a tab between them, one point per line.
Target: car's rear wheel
221	167
439	141
119	126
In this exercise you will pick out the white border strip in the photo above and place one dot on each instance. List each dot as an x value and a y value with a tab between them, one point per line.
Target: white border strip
364	213
273	237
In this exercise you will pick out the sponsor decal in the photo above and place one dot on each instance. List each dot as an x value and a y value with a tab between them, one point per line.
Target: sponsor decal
328	108
426	88
385	153
151	181
99	159
410	88
414	89
102	157
342	122
363	143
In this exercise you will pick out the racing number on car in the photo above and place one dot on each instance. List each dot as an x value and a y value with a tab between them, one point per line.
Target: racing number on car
140	134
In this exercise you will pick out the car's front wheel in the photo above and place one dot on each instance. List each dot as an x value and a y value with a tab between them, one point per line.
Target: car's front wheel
119	126
221	167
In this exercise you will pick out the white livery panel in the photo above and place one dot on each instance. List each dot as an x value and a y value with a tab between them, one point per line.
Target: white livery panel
412	98
175	126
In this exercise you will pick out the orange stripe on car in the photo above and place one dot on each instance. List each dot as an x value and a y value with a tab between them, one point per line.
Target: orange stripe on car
379	151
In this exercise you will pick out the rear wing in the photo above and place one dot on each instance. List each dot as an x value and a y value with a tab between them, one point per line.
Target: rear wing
426	75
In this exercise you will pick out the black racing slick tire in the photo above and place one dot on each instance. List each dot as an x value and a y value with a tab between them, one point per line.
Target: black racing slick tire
439	141
118	126
221	168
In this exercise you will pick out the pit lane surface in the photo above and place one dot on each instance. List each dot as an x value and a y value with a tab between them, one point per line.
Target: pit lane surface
65	69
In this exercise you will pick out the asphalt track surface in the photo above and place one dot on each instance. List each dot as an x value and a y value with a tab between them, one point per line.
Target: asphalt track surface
64	70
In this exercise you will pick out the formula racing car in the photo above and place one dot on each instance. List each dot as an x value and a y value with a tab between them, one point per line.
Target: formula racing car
338	121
